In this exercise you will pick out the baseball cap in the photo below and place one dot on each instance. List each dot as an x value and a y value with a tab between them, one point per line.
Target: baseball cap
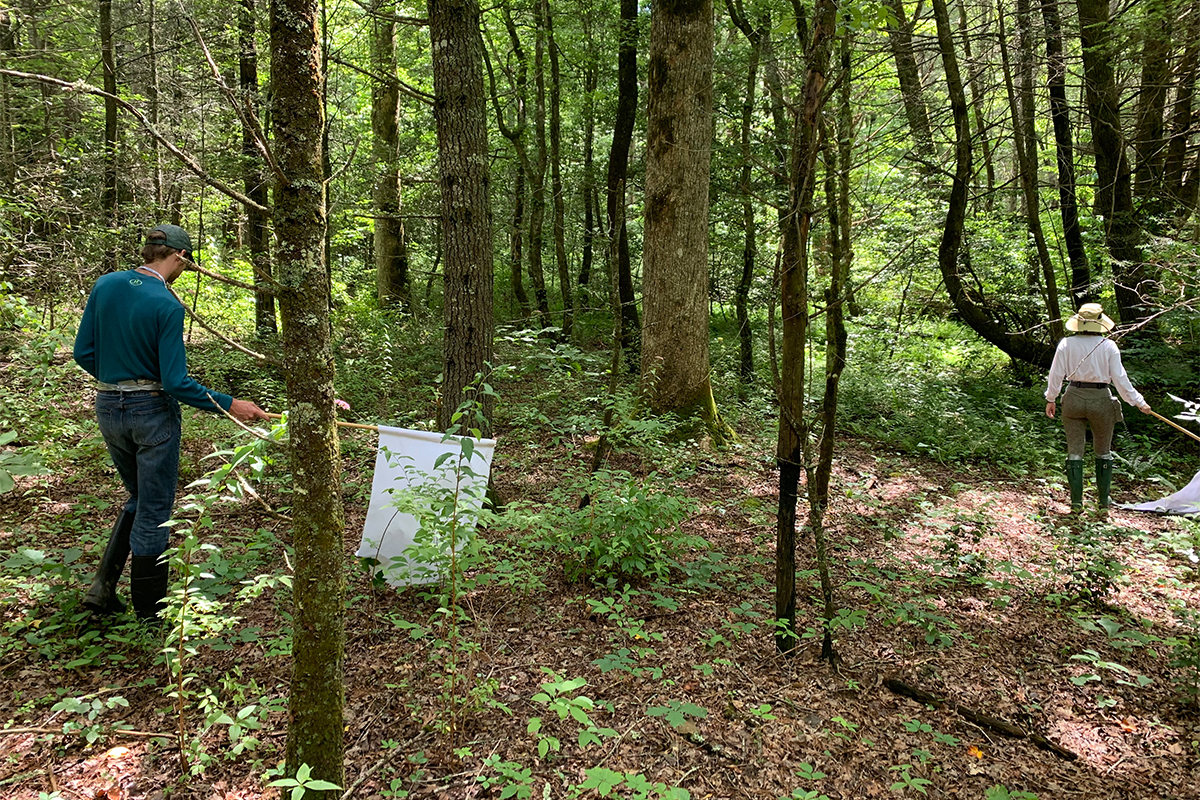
172	236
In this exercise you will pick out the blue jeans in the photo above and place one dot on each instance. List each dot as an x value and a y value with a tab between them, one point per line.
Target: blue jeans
142	432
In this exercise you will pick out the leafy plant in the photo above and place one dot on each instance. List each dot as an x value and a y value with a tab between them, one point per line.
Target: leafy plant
16	462
676	713
558	695
90	708
303	783
1002	792
627	531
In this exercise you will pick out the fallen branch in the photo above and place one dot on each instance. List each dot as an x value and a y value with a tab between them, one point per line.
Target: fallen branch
60	732
256	356
184	158
1000	726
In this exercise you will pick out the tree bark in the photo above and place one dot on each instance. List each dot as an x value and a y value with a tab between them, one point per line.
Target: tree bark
108	194
988	320
749	223
152	94
315	704
1149	136
793	428
537	178
515	135
391	252
1114	195
618	163
675	364
591	220
459	111
556	183
899	32
254	183
1056	80
977	106
1182	125
1025	144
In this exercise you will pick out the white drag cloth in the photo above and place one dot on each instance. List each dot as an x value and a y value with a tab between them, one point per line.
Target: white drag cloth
1185	502
408	460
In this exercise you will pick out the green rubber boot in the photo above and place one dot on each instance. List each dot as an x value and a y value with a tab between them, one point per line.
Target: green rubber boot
1075	481
1104	470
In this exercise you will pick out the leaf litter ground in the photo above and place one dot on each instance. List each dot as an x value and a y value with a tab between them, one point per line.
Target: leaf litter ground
954	582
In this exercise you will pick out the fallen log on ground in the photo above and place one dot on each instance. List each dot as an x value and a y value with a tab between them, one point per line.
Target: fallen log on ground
995	724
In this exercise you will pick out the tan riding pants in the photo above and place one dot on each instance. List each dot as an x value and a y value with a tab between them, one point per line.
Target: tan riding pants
1083	407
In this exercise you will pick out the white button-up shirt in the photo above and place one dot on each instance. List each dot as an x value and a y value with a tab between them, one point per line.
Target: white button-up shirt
1091	359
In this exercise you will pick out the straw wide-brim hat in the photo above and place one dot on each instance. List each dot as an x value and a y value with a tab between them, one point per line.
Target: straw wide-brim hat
1090	319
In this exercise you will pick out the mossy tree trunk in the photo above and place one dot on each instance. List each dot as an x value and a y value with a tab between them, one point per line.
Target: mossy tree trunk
391	252
315	705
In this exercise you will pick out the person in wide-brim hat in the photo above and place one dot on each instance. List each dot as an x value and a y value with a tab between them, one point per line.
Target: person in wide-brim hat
1090	318
1089	363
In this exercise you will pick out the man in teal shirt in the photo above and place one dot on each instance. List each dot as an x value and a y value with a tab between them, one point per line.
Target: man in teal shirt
131	341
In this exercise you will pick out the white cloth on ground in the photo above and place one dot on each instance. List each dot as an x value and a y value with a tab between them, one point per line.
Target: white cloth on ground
1090	359
413	465
1185	502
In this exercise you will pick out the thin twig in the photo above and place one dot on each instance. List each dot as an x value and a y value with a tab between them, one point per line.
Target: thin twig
216	276
203	324
239	423
339	423
59	732
246	487
247	116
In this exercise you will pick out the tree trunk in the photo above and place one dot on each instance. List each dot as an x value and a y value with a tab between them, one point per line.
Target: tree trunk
515	136
1182	127
556	183
1114	195
1025	144
618	163
591	221
537	177
1056	80
108	194
8	47
391	252
899	32
675	365
1149	136
793	428
988	320
253	181
749	226
315	704
516	241
977	106
459	111
152	98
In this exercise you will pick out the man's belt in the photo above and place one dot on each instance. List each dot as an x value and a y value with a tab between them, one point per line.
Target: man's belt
1086	385
139	385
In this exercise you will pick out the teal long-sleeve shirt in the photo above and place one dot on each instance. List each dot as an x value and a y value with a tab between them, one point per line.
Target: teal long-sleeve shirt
132	328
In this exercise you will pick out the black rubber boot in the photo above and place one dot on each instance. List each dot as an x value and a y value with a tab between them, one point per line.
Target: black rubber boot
1104	470
1075	481
148	580
102	597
